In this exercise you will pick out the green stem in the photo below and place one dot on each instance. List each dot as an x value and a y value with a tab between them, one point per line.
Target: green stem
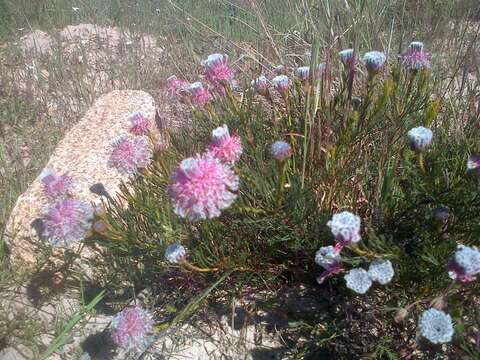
281	183
420	161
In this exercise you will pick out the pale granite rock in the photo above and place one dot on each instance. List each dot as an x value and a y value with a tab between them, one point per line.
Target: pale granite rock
83	153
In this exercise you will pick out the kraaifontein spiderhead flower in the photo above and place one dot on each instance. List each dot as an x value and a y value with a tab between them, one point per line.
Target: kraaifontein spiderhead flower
347	57
130	329
175	253
374	61
217	69
225	147
281	83
139	123
473	163
328	257
176	86
465	264
345	227
201	187
281	150
130	154
56	187
419	138
436	326
381	271
200	95
260	85
67	222
303	72
358	280
415	58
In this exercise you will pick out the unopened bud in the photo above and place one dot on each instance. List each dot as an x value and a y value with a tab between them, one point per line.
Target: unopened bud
400	315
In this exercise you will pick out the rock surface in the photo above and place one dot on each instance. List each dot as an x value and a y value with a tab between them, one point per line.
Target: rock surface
83	153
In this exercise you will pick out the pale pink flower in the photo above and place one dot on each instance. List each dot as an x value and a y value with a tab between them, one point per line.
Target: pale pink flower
217	70
67	222
225	147
281	83
260	85
347	57
200	95
415	58
473	163
374	61
139	123
345	227
465	265
201	187
56	187
130	329
330	259
176	86
303	73
130	154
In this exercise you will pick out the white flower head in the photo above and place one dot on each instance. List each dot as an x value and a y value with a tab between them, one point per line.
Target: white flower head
328	257
345	227
281	83
419	138
303	72
374	61
346	56
220	133
416	46
358	280
281	150
436	326
468	258
473	162
175	253
381	271
214	58
260	85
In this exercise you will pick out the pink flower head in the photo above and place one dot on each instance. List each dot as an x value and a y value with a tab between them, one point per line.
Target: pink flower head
139	123
200	95
67	222
465	264
415	58
281	150
473	163
260	85
224	147
281	83
217	69
56	187
130	328
175	86
201	187
345	227
130	154
329	258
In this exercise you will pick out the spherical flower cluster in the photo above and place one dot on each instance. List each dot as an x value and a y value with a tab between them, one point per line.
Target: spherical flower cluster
130	328
201	187
139	124
465	264
67	222
200	95
281	150
436	326
281	83
225	147
347	57
303	73
176	86
345	227
217	69
415	58
374	61
328	257
175	253
419	138
473	163
130	154
56	187
260	85
381	271
358	280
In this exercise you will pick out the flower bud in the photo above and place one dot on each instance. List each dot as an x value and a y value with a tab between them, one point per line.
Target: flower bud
347	57
281	83
400	315
281	150
260	85
374	61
